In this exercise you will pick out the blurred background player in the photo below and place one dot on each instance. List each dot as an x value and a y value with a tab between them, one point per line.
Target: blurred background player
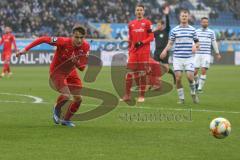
183	36
8	39
161	35
154	74
71	53
140	36
207	40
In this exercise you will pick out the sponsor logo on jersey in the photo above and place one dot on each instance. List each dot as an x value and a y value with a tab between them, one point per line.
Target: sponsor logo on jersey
139	30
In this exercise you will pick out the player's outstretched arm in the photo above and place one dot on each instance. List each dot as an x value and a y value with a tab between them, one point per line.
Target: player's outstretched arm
166	12
21	52
45	39
167	48
31	45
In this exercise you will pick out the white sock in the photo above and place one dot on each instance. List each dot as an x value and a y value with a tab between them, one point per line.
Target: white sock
193	88
180	93
202	80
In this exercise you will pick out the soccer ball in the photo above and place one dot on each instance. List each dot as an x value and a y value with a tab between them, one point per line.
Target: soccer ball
220	128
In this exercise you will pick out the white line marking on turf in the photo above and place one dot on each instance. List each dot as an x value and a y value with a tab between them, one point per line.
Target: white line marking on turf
171	109
38	100
35	99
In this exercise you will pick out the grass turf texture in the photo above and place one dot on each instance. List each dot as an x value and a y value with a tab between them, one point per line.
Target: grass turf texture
27	130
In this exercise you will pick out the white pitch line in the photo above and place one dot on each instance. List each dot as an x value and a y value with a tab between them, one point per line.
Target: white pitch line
38	100
171	109
22	102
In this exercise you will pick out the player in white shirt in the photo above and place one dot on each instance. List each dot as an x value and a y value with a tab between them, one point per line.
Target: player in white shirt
185	39
207	40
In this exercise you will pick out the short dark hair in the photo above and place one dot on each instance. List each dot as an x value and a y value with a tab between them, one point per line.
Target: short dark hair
79	28
204	18
140	5
184	11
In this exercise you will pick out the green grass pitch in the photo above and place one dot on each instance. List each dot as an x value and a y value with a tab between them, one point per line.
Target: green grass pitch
27	131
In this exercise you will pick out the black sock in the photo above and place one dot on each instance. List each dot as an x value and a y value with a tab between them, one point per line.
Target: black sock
170	71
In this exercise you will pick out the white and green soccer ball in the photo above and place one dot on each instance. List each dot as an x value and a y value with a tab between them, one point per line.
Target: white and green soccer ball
220	128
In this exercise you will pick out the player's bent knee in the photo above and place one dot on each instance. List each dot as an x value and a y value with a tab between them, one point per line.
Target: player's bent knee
178	77
178	80
77	98
64	97
129	76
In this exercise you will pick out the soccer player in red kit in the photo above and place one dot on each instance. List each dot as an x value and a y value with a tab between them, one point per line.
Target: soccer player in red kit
71	53
140	36
8	39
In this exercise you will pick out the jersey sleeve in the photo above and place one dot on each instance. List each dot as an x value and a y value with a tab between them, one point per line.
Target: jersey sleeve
214	43
150	36
168	28
172	36
213	37
57	41
54	41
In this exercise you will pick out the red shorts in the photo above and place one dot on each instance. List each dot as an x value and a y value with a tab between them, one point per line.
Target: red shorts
6	56
138	61
72	81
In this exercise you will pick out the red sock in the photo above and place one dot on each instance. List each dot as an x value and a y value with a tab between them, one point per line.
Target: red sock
4	68
73	108
61	101
128	79
8	68
155	74
151	80
143	82
137	78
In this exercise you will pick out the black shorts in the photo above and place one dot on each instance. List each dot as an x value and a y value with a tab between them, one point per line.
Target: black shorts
157	54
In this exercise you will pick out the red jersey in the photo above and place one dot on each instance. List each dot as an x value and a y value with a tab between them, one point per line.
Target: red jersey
7	41
67	56
140	30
